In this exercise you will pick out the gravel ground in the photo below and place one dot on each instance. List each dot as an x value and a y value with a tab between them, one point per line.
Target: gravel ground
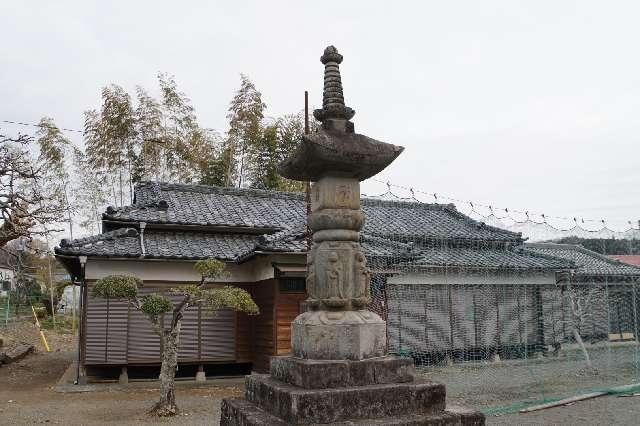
27	395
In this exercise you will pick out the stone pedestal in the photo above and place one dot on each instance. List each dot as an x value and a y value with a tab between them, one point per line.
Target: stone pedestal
348	335
377	391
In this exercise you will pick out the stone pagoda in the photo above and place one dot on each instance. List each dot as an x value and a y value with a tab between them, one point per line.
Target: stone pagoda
340	371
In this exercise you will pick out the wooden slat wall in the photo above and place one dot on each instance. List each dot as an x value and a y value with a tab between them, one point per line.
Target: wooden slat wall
263	325
218	332
95	329
117	331
144	343
287	309
116	334
244	332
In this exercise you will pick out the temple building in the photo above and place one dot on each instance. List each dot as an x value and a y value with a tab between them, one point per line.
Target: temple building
261	236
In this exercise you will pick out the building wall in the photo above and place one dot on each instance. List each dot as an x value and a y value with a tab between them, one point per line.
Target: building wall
287	309
264	325
441	313
117	334
7	280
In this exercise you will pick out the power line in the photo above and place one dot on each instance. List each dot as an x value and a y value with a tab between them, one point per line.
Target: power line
40	126
21	123
528	213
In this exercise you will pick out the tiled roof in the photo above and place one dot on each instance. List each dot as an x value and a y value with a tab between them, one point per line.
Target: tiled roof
215	206
125	242
488	258
211	206
632	259
160	244
588	263
427	235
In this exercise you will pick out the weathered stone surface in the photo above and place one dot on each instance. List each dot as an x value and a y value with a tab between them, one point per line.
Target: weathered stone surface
335	149
240	412
338	276
338	335
333	192
347	154
307	406
340	372
17	353
315	374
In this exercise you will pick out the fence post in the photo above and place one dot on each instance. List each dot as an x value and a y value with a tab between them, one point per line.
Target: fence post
6	312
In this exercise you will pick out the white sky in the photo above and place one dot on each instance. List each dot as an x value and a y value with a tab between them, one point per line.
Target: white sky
527	105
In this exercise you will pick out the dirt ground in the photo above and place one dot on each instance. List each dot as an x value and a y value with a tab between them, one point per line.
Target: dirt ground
27	396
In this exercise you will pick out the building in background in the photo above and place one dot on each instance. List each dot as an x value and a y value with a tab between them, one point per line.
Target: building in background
261	236
608	287
631	259
8	262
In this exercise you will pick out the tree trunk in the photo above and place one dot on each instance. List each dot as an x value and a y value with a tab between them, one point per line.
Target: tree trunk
578	338
167	404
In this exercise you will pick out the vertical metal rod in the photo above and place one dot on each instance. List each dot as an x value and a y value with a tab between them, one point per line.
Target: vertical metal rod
306	112
307	184
6	312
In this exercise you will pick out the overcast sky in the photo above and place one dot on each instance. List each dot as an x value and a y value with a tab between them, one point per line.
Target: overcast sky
528	105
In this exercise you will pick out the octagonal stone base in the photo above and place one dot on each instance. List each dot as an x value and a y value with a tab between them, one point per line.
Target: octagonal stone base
340	335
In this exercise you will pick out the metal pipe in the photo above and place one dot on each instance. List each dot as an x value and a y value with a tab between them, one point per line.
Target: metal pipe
142	248
83	262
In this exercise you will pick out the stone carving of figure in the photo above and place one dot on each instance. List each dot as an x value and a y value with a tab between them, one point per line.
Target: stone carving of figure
335	280
362	292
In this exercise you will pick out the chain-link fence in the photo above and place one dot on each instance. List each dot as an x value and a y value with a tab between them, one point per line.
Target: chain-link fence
506	327
15	308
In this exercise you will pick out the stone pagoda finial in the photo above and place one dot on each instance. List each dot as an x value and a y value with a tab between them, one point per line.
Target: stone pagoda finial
335	149
332	97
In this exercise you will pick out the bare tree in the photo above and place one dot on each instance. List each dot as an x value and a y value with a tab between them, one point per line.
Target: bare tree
581	301
155	306
26	206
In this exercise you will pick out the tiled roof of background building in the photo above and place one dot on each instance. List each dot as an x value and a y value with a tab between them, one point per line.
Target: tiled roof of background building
588	263
632	259
215	206
489	258
125	242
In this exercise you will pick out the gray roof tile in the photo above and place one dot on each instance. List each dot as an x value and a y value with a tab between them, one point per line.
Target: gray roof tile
216	206
587	262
